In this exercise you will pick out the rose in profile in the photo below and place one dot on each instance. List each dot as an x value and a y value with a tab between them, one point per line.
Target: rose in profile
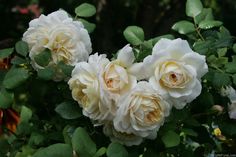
141	111
85	87
67	40
175	69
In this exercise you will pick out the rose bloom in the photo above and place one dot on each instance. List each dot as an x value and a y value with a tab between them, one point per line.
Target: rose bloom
67	40
119	76
86	89
141	111
123	138
175	69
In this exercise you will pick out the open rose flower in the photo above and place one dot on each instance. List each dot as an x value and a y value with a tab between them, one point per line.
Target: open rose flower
67	40
119	76
123	138
141	112
86	89
175	69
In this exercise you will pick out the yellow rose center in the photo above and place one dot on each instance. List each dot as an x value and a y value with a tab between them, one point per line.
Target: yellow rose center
149	110
115	77
171	74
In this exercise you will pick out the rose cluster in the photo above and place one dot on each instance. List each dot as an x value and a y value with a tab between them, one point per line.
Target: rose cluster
131	100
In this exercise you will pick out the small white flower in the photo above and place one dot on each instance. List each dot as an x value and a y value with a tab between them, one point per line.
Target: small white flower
141	111
86	89
231	94
118	77
175	69
67	40
123	138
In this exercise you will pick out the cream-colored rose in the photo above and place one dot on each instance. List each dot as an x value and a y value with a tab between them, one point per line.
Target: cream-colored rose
123	138
67	40
86	89
174	69
118	77
141	112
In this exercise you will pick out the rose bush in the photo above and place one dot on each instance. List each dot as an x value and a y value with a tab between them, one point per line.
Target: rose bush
164	96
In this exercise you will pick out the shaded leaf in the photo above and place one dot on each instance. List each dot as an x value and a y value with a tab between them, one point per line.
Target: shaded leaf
88	25
22	48
184	27
55	150
85	10
134	35
83	144
46	74
193	7
116	150
171	139
15	77
205	15
4	53
6	98
43	58
208	24
68	110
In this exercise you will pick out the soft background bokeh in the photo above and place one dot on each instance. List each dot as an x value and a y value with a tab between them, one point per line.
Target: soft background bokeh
155	16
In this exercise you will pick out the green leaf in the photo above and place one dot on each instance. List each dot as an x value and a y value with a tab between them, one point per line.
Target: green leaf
18	60
221	52
43	58
83	144
6	98
193	8
205	15
15	77
25	114
134	35
85	10
220	80
68	110
156	39
22	48
171	139
234	79
208	24
88	25
231	67
234	48
55	150
36	139
66	69
100	152
26	151
116	150
202	47
6	52
46	74
184	27
190	132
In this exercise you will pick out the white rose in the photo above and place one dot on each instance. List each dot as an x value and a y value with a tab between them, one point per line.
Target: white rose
86	90
175	69
141	111
68	41
123	138
118	77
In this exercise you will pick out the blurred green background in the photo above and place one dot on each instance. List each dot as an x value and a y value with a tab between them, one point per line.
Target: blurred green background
155	16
